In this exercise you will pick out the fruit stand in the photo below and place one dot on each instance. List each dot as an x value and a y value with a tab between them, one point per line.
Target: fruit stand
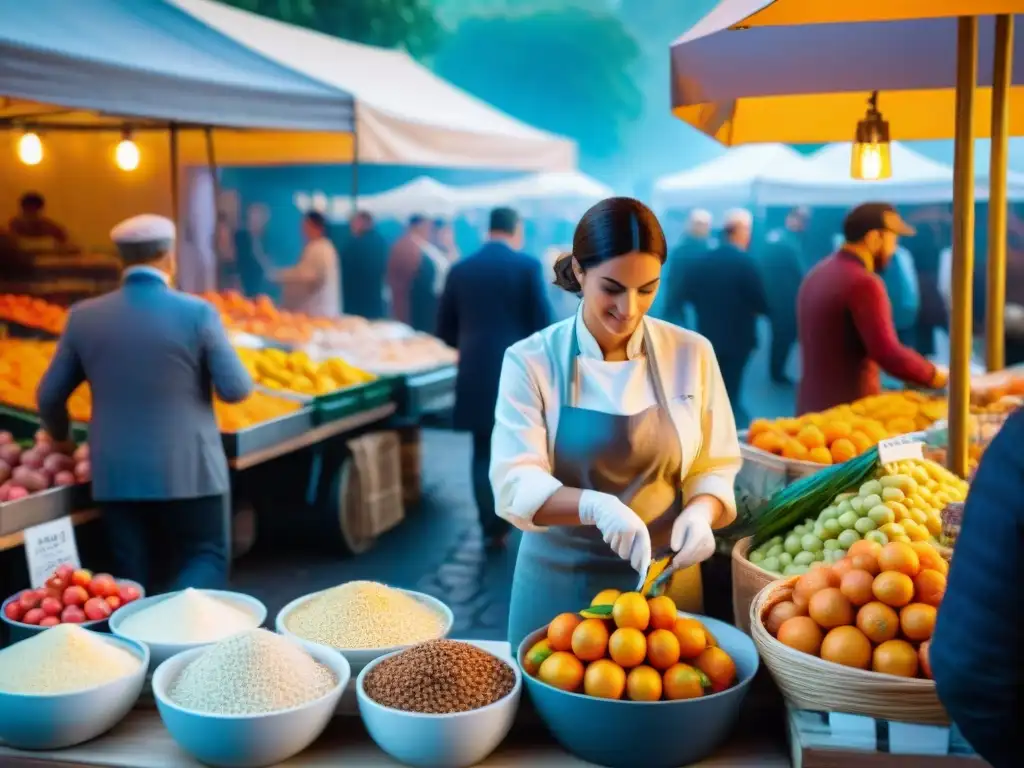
315	402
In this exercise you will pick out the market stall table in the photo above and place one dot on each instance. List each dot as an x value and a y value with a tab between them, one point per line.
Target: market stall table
141	741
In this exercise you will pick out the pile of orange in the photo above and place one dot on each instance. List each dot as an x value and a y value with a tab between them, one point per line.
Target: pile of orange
840	433
32	312
873	610
626	646
260	317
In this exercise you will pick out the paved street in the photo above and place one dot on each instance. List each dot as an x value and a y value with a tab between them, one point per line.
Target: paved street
438	549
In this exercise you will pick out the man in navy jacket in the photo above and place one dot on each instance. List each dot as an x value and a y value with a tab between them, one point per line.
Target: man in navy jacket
491	300
976	653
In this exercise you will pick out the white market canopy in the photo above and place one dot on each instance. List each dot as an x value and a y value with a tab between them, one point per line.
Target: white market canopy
734	178
405	115
422	195
565	194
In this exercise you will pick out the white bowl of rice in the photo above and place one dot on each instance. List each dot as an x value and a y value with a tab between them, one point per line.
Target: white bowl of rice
67	685
364	620
180	621
254	699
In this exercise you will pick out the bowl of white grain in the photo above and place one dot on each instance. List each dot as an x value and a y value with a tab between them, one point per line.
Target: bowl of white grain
180	621
254	699
364	620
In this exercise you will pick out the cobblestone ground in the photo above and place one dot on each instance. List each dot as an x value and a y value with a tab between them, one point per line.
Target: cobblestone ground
438	548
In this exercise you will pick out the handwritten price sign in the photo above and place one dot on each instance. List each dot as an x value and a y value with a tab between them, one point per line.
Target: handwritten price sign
48	546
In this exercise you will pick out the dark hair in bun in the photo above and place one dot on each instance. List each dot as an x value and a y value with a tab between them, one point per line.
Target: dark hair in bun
611	228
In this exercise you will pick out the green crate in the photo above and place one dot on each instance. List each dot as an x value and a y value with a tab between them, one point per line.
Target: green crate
24	424
351	400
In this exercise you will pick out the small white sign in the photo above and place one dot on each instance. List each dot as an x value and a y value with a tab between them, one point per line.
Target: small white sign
48	546
905	448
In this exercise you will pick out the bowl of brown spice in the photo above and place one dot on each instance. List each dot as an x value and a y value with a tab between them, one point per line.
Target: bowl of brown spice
441	703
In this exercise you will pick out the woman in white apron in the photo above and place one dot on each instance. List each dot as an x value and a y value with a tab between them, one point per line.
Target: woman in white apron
614	437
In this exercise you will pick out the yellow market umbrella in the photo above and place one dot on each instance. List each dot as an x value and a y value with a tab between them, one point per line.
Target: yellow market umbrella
799	71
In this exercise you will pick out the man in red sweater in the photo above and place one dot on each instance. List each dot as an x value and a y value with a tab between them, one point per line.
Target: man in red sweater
844	319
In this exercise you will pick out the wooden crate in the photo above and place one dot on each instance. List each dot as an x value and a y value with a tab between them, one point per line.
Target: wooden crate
834	740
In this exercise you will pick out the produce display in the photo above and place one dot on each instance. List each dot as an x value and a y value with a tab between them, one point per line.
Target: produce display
251	673
365	615
1005	395
23	363
626	646
840	433
25	470
296	372
903	503
71	597
260	317
64	660
191	616
440	677
874	609
384	348
33	313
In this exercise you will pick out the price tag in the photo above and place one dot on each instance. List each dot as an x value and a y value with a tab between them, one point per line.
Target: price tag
904	448
48	546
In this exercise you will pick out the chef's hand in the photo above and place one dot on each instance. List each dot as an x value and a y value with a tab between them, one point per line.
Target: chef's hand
622	529
692	539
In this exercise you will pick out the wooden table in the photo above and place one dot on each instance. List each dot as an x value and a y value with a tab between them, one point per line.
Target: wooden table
141	741
17	539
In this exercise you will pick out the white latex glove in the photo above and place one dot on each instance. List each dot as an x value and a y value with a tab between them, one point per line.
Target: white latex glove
620	526
692	539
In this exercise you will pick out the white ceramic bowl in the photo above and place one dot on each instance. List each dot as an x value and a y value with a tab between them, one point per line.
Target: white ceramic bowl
160	652
59	720
247	741
456	740
360	657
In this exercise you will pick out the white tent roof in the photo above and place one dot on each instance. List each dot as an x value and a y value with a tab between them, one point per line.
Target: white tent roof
422	195
565	194
916	180
734	178
404	113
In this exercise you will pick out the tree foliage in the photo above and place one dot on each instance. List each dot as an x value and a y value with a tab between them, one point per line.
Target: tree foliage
567	71
408	24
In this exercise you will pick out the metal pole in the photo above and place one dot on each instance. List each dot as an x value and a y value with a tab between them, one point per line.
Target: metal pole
960	332
1002	66
355	161
175	191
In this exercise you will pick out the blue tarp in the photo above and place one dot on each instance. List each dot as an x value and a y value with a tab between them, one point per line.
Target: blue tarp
147	58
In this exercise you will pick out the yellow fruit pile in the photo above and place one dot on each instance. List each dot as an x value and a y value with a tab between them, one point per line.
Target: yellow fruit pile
840	433
626	646
296	372
23	363
873	610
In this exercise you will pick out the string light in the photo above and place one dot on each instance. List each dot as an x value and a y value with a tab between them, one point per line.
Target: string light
30	148
870	159
127	153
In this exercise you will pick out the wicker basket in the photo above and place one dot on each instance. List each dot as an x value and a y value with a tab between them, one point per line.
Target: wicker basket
747	580
811	683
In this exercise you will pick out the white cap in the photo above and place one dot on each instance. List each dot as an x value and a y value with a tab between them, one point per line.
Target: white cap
700	216
145	228
738	217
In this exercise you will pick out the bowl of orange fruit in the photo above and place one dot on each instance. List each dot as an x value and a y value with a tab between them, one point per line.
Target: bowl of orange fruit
853	636
630	680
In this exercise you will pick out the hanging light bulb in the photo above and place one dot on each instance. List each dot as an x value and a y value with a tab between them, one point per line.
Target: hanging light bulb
871	159
30	148
127	153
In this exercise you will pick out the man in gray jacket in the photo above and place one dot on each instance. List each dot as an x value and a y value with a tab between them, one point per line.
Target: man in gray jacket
153	358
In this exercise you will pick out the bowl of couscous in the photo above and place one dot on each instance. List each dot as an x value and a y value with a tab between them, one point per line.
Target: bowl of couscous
364	620
66	686
254	699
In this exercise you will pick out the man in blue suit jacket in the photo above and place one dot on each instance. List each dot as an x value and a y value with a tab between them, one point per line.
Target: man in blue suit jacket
153	358
491	300
979	637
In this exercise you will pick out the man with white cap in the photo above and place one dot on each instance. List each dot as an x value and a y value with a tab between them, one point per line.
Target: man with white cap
696	242
154	358
727	293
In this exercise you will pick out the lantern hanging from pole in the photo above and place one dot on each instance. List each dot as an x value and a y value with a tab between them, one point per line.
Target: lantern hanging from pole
871	159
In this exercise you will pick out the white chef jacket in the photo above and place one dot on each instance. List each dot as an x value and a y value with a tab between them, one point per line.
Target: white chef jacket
531	391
